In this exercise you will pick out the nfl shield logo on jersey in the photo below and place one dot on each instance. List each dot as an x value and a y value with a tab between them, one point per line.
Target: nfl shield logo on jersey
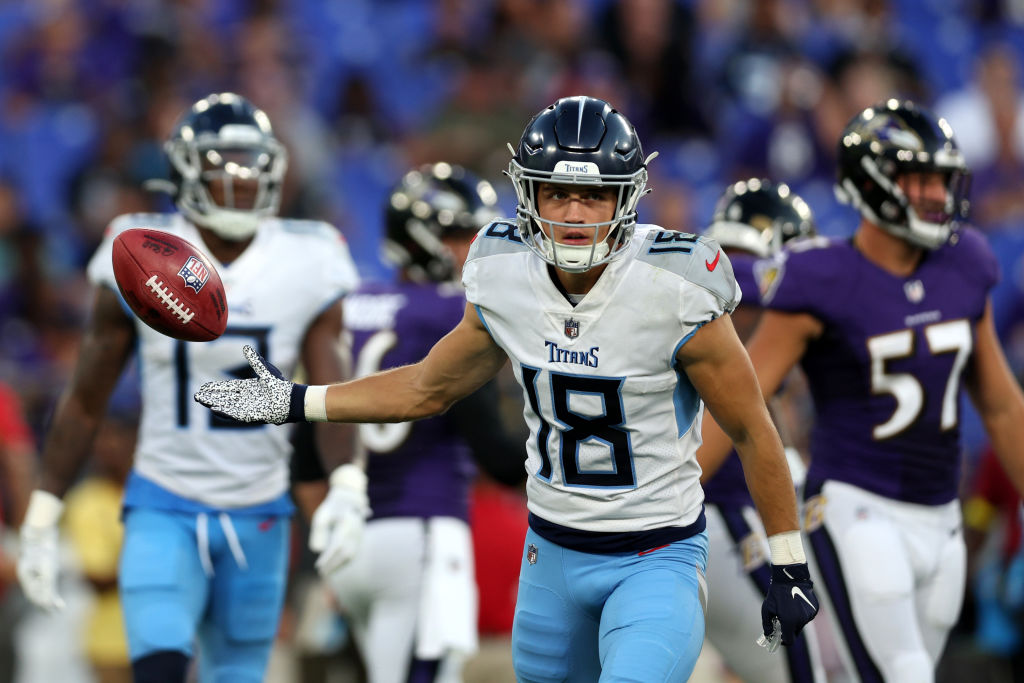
914	290
572	328
194	273
531	554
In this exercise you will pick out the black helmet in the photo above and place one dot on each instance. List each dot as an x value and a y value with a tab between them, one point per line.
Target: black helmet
759	216
430	203
224	138
886	141
579	141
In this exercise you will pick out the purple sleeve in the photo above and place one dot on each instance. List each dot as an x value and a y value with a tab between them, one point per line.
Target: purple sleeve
794	280
976	256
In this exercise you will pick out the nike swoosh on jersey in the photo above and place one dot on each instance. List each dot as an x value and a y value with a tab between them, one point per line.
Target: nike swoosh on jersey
796	592
711	265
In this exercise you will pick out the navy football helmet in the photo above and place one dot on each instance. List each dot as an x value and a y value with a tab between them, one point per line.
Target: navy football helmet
759	216
579	141
227	167
430	203
886	141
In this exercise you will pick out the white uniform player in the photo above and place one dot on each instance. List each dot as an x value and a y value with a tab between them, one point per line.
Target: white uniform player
616	333
206	507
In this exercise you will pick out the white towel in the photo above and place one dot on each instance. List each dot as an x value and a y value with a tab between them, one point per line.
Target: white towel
447	620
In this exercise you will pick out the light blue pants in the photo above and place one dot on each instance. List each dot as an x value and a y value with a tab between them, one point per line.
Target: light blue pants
618	617
189	578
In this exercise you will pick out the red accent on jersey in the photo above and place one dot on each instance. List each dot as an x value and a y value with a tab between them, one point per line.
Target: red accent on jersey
711	265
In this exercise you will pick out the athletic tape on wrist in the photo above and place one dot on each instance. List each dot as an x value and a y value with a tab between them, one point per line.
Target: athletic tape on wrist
787	548
315	406
44	510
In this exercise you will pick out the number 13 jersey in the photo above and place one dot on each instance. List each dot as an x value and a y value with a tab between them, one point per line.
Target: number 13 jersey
614	423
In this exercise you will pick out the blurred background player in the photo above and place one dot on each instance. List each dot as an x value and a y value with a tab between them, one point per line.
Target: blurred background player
17	453
753	219
206	506
92	522
409	595
888	327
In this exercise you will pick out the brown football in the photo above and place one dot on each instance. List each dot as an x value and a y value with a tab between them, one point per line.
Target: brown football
170	284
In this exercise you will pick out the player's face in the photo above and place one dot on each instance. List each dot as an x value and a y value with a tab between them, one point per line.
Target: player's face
232	178
928	193
575	204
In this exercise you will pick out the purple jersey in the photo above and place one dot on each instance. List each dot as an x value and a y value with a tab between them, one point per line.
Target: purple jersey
886	373
415	469
727	486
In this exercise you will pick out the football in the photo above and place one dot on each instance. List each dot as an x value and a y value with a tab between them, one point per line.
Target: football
170	284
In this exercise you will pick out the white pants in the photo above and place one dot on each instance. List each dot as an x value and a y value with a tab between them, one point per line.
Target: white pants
738	575
382	589
893	576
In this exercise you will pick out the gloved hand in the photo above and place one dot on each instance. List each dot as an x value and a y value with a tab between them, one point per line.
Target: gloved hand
38	560
336	529
789	606
267	398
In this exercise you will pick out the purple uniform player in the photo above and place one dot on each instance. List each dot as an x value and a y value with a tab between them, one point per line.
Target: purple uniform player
888	327
752	220
410	593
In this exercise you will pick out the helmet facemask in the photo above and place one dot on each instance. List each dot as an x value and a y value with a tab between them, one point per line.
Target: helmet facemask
577	258
231	180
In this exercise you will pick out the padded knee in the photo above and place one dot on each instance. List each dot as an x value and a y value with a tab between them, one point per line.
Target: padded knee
166	666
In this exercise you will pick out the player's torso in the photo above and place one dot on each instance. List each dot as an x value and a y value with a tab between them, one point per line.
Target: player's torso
415	468
275	289
887	373
613	424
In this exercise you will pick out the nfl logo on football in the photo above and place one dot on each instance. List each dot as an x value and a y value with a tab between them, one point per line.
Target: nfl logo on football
572	328
194	273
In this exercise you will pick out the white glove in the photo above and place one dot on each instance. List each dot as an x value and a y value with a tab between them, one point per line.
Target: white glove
266	398
337	526
38	558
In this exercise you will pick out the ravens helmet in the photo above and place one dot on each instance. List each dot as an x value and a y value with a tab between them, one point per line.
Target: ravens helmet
895	138
579	141
430	203
227	167
759	216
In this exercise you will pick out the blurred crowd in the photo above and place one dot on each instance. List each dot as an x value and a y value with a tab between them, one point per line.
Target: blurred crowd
360	90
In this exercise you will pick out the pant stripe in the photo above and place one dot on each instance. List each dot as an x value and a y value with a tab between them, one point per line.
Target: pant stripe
827	560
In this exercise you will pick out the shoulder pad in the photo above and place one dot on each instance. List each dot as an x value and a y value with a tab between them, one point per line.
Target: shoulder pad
499	237
696	258
972	247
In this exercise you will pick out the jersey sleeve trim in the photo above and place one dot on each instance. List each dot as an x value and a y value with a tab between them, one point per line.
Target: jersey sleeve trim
480	314
685	339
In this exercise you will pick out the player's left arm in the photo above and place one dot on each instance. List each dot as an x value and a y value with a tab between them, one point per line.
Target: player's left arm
720	369
718	366
998	397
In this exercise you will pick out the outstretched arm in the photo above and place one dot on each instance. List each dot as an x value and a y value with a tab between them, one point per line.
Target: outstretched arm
457	365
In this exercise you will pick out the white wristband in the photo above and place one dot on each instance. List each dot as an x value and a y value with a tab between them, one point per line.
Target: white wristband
787	548
315	403
44	510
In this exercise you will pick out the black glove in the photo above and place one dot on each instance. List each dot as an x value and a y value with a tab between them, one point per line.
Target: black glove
789	606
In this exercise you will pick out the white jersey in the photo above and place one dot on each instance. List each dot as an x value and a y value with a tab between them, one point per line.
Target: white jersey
290	273
614	424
